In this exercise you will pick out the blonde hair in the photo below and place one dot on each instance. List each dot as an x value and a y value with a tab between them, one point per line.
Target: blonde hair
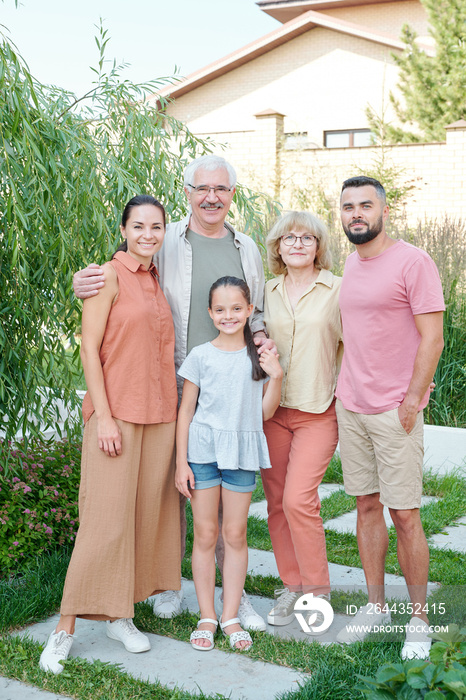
298	221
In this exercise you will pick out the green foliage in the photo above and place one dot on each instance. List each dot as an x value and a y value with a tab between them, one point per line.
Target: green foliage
38	506
444	676
397	184
67	167
433	86
445	240
447	405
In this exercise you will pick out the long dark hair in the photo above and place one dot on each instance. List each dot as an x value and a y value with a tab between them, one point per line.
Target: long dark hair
257	371
138	201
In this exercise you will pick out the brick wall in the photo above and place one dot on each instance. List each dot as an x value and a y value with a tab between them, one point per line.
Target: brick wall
437	170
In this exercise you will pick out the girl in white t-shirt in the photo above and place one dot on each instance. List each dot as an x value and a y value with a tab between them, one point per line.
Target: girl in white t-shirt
220	446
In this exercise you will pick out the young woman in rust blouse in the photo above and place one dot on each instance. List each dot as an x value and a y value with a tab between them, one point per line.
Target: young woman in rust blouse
127	547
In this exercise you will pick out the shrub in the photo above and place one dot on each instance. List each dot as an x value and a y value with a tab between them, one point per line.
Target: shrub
444	676
38	500
68	166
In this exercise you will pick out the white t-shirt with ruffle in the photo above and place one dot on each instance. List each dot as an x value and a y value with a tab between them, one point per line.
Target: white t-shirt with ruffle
227	425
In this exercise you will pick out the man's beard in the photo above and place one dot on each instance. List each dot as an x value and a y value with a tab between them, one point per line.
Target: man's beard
369	235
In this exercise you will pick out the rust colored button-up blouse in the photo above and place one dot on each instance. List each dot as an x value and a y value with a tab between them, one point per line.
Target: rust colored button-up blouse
137	351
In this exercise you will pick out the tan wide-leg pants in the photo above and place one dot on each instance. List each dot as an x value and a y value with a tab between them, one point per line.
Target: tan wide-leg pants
128	543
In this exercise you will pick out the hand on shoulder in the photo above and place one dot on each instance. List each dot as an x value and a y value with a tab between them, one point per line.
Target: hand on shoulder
108	291
87	282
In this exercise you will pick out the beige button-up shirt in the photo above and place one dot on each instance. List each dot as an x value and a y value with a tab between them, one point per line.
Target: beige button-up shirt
309	341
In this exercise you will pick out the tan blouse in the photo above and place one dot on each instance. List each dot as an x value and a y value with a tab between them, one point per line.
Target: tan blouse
137	351
309	341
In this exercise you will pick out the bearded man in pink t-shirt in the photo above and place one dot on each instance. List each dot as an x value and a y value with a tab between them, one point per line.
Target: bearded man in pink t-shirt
392	307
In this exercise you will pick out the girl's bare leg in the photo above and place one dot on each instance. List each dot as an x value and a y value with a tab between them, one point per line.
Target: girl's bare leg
204	503
235	522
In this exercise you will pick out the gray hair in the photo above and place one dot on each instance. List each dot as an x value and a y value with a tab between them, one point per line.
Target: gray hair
209	162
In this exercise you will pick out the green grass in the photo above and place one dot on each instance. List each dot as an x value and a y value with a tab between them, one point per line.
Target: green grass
258	493
36	594
337	504
19	659
334	669
334	473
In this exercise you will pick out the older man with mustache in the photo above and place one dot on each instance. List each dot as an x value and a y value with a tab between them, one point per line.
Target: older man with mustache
196	252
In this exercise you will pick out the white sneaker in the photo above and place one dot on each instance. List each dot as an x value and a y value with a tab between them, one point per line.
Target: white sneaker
249	619
418	643
167	604
124	631
363	623
56	650
282	612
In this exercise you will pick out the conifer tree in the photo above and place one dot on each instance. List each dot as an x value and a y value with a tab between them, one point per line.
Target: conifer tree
432	85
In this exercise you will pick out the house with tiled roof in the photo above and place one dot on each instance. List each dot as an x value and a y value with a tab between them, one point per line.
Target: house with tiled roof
290	107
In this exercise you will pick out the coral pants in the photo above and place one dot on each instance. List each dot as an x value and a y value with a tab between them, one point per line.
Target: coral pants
301	446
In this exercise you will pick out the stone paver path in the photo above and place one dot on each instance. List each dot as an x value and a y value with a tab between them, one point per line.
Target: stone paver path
176	664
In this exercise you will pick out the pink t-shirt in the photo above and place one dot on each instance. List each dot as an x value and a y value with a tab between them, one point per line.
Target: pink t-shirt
378	301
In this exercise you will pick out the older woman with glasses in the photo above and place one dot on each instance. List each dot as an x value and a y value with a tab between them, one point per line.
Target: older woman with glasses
302	316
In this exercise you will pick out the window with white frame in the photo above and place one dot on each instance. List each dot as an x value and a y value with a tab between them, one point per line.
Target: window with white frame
348	138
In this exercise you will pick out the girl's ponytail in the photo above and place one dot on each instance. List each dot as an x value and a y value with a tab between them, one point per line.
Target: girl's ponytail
257	371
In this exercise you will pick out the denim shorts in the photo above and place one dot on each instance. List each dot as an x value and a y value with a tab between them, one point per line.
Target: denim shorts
206	476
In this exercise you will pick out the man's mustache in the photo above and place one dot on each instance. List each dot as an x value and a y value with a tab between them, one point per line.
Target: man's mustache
206	205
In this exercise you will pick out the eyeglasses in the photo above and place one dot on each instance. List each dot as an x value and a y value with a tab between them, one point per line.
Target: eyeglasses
205	189
307	239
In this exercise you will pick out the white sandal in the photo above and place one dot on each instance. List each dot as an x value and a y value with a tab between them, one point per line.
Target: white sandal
204	634
235	637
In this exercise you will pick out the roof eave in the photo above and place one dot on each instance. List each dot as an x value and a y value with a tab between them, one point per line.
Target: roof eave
288	31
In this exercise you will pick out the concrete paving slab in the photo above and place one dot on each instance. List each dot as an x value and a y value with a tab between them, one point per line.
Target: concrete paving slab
176	665
342	578
15	690
453	537
259	510
326	490
347	522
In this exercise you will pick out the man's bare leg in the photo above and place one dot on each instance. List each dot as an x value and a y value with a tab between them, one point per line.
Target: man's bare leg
413	556
373	544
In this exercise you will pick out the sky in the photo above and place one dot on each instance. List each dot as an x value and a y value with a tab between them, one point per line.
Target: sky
56	37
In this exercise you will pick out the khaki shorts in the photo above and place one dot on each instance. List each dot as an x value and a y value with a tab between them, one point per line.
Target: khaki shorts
378	456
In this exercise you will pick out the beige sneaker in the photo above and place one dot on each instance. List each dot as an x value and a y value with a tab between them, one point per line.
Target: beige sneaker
282	612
